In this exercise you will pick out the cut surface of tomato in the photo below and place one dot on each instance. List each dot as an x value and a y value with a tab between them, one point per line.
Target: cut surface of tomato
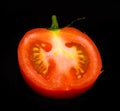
59	63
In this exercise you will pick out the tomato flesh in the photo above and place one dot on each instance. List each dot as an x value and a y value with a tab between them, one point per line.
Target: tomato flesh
59	64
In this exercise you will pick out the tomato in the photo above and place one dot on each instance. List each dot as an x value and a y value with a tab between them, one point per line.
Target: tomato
59	62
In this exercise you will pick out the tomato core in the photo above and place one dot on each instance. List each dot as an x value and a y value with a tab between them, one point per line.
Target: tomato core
64	55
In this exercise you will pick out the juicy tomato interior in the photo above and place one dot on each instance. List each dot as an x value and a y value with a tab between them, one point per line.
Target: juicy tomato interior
60	61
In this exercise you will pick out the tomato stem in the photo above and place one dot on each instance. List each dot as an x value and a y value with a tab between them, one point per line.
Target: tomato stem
75	21
54	25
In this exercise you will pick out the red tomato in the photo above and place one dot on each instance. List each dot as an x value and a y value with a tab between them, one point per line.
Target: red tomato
59	63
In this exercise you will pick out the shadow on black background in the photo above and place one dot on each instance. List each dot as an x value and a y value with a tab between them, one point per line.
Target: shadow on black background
101	24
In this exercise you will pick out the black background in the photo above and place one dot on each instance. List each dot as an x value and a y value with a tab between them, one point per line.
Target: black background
101	24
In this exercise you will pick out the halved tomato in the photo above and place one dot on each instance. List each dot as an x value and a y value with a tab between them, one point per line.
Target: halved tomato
59	62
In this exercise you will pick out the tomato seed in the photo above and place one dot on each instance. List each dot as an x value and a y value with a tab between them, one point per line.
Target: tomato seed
36	49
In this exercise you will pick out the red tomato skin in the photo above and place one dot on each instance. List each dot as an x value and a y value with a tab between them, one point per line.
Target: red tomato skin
56	94
40	86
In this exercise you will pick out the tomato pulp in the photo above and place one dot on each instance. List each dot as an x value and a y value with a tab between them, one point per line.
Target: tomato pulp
59	62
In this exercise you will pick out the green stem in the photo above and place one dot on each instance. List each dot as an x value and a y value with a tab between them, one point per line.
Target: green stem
54	25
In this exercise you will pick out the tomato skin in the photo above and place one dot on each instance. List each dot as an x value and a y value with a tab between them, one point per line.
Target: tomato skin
45	88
